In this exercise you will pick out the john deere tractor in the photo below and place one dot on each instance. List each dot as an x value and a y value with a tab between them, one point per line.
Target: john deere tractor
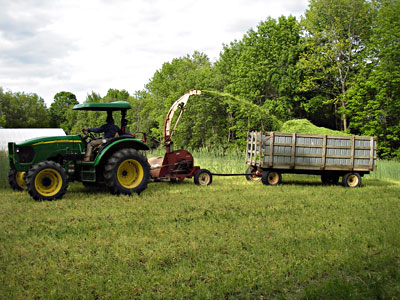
45	166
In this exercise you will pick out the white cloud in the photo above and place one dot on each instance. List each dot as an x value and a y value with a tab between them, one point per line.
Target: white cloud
93	45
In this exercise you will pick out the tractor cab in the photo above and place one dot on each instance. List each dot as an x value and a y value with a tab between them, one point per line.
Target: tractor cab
109	108
121	106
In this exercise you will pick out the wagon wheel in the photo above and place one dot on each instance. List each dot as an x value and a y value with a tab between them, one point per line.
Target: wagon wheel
351	180
203	177
271	177
251	174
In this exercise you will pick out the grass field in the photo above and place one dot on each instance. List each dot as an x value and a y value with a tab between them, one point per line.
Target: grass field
231	240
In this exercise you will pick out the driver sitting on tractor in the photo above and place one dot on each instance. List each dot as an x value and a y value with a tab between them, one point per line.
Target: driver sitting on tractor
109	129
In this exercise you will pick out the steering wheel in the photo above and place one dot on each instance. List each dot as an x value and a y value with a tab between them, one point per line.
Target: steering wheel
87	136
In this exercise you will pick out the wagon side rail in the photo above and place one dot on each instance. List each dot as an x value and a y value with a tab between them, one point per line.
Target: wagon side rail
311	152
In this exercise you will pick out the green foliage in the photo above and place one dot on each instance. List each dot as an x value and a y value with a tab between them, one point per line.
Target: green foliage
115	95
243	116
374	101
262	66
305	126
336	35
20	110
60	110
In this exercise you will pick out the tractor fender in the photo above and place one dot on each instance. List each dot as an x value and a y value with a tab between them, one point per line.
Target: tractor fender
119	144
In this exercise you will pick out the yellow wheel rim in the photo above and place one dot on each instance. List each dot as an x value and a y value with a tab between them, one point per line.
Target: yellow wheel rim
19	177
352	181
130	173
273	178
48	182
204	179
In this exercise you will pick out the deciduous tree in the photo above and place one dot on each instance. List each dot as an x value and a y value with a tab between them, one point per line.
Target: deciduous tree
336	32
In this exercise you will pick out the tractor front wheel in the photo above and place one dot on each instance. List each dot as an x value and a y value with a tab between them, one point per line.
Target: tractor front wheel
126	172
46	181
16	180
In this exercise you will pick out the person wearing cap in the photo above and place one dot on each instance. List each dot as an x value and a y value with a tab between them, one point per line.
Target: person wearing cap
109	129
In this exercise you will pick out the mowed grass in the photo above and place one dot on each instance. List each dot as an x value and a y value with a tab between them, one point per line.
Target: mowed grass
233	239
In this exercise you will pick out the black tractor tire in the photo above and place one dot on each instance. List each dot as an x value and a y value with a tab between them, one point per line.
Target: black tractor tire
330	179
127	171
352	180
271	177
251	176
46	180
203	177
16	180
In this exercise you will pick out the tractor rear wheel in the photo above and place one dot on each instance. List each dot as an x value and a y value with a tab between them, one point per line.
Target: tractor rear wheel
127	171
46	181
16	180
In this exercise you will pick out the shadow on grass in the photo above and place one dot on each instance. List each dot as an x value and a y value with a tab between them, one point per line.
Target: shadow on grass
101	188
365	183
374	277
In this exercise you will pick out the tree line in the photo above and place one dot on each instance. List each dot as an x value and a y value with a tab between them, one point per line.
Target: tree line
338	66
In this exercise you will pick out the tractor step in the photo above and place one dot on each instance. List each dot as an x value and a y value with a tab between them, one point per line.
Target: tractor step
88	172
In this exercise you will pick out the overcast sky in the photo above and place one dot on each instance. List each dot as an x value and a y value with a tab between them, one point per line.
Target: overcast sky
48	46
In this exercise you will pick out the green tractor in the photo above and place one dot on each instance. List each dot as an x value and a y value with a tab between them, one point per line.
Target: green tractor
45	166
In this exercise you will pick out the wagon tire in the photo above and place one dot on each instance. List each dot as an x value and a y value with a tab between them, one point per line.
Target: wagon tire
16	180
251	176
351	180
46	180
271	178
203	177
127	171
330	179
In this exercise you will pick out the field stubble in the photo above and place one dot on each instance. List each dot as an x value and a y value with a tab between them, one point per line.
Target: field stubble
233	239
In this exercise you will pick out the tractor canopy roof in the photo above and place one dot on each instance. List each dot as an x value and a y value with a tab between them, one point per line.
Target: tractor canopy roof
112	106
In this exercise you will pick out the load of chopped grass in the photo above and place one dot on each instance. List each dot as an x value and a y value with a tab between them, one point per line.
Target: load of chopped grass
306	127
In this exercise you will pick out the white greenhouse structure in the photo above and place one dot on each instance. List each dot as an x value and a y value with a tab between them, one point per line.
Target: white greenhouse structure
18	135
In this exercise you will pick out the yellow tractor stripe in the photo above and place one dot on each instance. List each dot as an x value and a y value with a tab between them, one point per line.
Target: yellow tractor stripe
57	141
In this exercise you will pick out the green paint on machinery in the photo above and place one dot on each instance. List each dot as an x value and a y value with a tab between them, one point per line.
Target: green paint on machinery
45	166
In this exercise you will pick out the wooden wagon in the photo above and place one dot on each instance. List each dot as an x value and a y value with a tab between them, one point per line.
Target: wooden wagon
271	154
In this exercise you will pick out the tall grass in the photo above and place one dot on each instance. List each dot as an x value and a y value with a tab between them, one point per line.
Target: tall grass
386	170
4	168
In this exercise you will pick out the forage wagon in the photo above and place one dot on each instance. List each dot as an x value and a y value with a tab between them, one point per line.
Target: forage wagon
271	154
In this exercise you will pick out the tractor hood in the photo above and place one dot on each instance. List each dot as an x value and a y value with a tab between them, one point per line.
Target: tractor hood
51	140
